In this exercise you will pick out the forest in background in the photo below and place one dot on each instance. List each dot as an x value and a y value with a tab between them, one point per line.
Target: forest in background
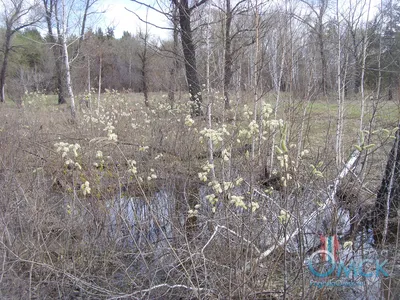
307	48
210	165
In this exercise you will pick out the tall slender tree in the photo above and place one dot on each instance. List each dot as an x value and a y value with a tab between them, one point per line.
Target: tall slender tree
228	52
143	54
189	52
175	63
50	8
18	14
318	11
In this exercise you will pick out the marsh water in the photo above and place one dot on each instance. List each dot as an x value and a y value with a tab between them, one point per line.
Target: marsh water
156	221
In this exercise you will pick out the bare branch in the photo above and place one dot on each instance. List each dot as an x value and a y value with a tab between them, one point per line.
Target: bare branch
197	4
163	285
328	202
147	22
153	8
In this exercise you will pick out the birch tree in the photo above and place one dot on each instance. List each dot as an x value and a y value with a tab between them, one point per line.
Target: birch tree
340	110
65	17
63	40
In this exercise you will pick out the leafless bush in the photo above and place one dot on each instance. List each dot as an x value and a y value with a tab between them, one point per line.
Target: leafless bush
128	213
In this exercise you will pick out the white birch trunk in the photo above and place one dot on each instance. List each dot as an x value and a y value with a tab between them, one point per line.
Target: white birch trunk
364	58
256	74
99	91
66	59
378	90
339	129
88	79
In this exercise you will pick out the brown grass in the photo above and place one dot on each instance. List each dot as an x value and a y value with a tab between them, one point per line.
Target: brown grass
57	242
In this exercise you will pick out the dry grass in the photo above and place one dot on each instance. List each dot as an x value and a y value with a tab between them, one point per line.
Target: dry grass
133	235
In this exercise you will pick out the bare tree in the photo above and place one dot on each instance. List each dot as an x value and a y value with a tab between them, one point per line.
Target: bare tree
63	39
318	27
388	199
174	68
340	99
144	60
189	52
50	7
18	14
59	18
228	51
363	66
188	45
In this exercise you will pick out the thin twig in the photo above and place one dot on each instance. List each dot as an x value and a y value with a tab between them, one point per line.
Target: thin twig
328	202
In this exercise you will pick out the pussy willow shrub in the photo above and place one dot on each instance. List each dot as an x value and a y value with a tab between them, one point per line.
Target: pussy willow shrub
137	202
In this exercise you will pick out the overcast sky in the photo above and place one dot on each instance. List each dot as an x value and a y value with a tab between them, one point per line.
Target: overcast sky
122	20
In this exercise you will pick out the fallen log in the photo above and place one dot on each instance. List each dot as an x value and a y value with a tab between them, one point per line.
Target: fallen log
328	203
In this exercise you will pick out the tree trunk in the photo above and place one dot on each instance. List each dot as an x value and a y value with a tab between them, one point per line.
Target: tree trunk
66	60
174	67
357	78
228	54
99	91
68	77
144	60
173	70
323	84
6	49
324	73
144	84
89	77
388	198
57	52
363	65
189	54
340	97
50	6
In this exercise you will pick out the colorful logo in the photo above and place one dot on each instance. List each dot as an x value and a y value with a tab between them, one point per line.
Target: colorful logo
364	268
324	262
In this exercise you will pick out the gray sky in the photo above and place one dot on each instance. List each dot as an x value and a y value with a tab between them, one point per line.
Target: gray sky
116	15
122	20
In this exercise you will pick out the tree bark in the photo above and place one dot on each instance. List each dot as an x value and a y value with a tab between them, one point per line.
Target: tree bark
174	67
66	59
324	66
228	53
388	198
99	84
144	59
59	73
144	84
6	49
323	84
189	54
49	7
340	96
88	73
